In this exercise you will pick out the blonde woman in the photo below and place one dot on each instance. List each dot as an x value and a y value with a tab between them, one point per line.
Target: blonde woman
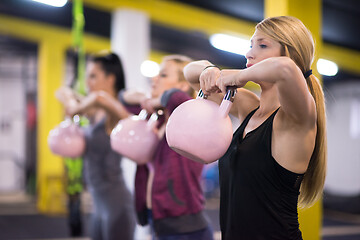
168	191
277	158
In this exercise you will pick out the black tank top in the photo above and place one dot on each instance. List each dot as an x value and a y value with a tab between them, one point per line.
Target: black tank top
258	197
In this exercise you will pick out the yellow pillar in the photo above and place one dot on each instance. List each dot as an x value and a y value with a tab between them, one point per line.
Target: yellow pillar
51	194
310	13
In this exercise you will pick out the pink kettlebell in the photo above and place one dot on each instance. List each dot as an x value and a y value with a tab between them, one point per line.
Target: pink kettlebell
200	129
134	137
67	140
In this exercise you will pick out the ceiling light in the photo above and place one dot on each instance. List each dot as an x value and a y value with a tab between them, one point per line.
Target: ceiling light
230	43
54	3
149	68
326	67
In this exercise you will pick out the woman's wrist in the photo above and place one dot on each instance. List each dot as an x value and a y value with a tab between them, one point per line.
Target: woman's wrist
240	80
211	66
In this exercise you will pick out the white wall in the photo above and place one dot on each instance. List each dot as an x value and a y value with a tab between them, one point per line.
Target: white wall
12	125
343	116
130	39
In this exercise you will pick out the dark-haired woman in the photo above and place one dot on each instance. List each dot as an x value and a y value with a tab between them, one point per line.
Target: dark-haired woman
113	217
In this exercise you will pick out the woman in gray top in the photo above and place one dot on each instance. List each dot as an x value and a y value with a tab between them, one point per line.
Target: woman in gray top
113	216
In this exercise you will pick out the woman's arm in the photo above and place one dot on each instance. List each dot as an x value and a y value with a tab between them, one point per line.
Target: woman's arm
193	70
98	99
245	100
104	100
133	97
67	97
295	99
141	99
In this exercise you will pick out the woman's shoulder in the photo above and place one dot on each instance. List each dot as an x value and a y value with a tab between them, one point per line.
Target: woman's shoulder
245	101
173	98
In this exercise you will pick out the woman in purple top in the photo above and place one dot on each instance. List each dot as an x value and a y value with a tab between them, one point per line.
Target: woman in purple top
168	191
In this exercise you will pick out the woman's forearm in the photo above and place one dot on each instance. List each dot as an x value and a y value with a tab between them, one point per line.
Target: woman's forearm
286	76
133	97
193	70
111	105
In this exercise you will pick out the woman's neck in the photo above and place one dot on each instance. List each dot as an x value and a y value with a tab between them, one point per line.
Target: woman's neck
112	92
269	100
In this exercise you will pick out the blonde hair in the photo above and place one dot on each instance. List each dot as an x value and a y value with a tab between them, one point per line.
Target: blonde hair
181	61
298	44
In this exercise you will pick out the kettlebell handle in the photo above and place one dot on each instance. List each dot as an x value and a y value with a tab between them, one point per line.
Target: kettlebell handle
201	94
229	95
152	122
226	103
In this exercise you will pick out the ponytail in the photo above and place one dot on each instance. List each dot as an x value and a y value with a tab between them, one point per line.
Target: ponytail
314	178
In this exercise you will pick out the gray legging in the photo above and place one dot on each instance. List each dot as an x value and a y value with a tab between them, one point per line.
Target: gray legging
113	217
114	214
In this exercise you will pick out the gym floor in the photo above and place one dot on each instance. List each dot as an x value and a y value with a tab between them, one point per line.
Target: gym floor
20	220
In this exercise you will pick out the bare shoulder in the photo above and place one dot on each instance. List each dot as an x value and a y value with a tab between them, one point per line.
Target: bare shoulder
292	143
245	101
